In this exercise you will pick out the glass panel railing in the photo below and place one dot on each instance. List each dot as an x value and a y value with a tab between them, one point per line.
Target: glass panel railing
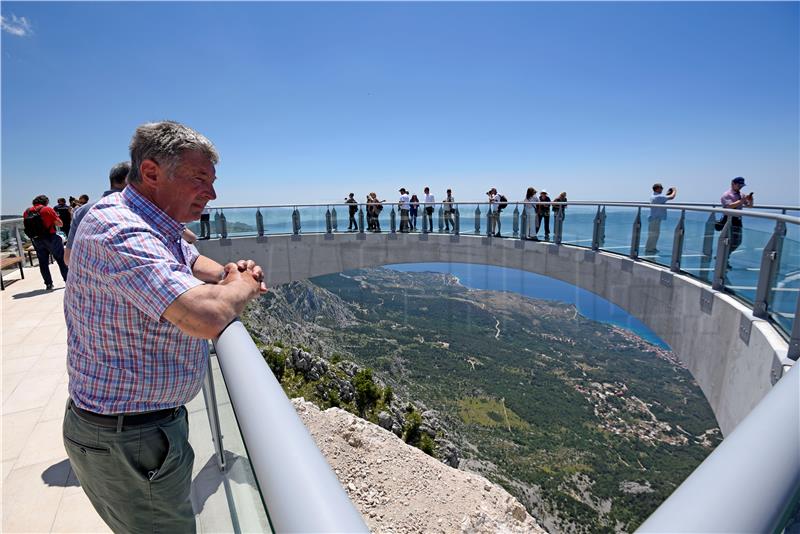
744	259
13	236
783	304
225	493
699	245
12	250
579	225
657	237
618	230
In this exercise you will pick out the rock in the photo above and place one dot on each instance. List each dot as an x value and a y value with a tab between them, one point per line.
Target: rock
447	452
385	420
411	492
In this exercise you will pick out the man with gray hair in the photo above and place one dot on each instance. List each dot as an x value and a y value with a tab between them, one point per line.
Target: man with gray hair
140	305
116	178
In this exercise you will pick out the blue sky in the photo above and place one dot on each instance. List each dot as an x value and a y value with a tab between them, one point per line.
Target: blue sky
307	102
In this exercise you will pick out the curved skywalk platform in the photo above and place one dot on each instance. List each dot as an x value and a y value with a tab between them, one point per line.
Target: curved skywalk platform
734	371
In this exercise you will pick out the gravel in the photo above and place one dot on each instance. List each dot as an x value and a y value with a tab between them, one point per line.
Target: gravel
400	489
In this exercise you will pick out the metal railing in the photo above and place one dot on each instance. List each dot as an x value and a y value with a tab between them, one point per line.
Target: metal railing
759	262
299	490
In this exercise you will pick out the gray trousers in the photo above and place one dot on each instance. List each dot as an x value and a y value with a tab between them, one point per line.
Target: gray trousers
138	479
653	233
405	224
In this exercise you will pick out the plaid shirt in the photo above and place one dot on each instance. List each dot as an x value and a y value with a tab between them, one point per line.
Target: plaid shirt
128	265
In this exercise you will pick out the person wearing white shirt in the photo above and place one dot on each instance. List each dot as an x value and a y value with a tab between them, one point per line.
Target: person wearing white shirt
405	205
495	209
530	212
429	202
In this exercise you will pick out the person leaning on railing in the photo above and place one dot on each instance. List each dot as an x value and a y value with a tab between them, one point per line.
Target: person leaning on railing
140	304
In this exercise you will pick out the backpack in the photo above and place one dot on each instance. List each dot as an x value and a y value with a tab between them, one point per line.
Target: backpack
503	203
33	223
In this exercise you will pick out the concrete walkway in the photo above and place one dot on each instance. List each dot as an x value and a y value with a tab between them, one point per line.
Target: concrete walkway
40	492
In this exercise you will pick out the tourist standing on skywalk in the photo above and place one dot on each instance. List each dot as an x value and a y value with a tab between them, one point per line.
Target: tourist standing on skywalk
352	206
405	206
413	211
495	210
140	306
449	210
657	215
430	202
530	212
543	214
40	222
734	200
116	178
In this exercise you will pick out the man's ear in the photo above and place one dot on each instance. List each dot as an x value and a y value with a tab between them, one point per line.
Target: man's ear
150	172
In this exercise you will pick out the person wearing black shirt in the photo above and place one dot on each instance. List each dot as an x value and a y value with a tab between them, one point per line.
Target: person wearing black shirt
64	213
353	208
543	212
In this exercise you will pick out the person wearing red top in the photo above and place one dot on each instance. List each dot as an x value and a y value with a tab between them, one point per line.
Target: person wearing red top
45	239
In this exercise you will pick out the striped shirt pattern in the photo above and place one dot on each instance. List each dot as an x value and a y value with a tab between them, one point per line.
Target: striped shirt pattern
128	265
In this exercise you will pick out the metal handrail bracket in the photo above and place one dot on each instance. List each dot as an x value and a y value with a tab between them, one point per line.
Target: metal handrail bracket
292	474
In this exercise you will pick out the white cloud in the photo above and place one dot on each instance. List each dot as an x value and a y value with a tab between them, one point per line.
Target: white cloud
18	26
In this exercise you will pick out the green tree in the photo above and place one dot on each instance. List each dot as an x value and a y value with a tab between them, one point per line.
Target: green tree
388	395
411	434
276	362
367	392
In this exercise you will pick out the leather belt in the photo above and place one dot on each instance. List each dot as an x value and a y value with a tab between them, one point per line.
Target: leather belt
125	419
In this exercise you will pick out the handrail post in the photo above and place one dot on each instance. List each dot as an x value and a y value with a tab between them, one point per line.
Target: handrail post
440	213
392	221
636	234
770	262
456	221
223	223
477	220
333	219
602	227
708	236
259	223
677	243
596	231
296	222
489	215
20	248
523	230
794	338
515	220
217	227
328	223
558	230
723	251
360	219
210	398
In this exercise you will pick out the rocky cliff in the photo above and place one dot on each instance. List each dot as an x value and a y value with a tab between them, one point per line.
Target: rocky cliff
398	488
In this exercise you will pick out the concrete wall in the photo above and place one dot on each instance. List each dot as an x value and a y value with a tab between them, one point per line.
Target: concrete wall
735	357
